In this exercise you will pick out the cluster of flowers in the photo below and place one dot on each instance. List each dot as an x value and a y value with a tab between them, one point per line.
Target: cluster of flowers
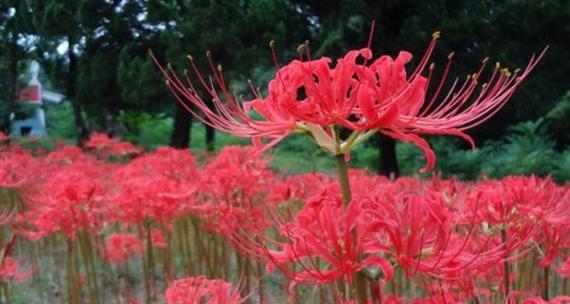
426	241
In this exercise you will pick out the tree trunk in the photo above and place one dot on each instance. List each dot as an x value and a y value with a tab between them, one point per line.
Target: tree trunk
13	82
388	160
70	90
182	125
210	137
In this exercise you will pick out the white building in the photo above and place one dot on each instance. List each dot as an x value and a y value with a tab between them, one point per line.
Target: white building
34	125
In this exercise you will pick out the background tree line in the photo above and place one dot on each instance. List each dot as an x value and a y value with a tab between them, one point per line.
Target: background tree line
95	52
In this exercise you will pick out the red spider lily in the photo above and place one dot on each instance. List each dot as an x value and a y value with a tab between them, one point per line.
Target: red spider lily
106	146
155	186
233	191
99	141
311	96
17	168
396	103
158	240
120	247
419	232
326	241
525	208
10	269
201	290
229	116
73	199
298	187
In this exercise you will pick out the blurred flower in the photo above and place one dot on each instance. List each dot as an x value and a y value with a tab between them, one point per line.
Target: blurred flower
201	290
122	246
158	240
11	269
106	146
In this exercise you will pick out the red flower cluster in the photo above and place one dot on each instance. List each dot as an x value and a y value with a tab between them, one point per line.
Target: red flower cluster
357	93
201	290
452	240
122	246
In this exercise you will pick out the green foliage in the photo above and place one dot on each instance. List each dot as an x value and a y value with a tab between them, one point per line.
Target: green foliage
144	129
59	120
298	154
558	121
525	150
562	170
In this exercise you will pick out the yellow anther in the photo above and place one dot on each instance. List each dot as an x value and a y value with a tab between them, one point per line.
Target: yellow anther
220	68
208	54
451	55
272	43
432	66
190	57
436	35
485	60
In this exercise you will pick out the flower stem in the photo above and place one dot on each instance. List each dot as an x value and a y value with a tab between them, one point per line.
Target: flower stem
359	280
506	266
545	292
342	171
376	291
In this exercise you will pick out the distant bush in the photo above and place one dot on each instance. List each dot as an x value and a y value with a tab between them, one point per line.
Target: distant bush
526	150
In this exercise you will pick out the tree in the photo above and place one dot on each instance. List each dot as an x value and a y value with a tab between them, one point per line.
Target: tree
16	43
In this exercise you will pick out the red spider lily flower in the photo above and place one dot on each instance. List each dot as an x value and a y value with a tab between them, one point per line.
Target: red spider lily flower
106	146
228	115
298	187
201	290
120	247
396	103
419	232
157	239
155	186
233	192
10	269
73	199
98	141
311	96
326	241
525	208
17	168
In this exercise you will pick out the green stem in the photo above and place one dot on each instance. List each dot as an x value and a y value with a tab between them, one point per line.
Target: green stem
506	267
149	280
545	292
342	171
359	281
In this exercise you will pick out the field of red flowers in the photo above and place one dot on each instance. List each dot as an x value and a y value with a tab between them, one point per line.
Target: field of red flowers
114	224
